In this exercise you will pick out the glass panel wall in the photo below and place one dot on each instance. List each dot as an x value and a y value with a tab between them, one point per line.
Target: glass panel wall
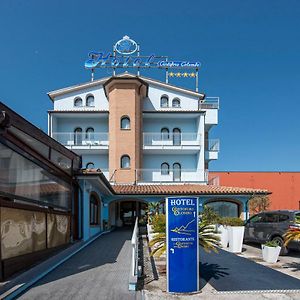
21	177
225	208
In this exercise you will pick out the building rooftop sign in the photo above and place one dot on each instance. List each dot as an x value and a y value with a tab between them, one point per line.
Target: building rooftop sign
126	54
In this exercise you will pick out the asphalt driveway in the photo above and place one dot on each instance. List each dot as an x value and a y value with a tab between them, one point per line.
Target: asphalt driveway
228	272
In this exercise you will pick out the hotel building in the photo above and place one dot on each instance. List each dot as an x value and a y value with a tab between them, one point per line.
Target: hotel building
147	139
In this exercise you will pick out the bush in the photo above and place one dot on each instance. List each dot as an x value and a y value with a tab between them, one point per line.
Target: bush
231	221
159	223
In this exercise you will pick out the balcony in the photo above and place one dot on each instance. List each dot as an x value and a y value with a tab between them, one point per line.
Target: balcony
82	141
171	176
157	141
212	148
210	103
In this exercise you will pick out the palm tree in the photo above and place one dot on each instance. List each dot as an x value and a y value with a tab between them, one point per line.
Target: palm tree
207	239
293	233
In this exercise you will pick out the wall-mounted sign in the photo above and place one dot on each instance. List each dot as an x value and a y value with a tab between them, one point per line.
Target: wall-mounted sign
182	244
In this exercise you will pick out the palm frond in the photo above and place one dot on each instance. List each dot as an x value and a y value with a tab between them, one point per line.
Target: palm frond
291	235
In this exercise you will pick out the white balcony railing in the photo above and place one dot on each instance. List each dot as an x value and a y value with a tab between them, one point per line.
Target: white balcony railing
209	102
171	139
171	176
212	145
88	139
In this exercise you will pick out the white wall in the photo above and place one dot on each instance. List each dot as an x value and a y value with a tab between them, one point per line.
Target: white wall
170	122
66	101
155	92
69	124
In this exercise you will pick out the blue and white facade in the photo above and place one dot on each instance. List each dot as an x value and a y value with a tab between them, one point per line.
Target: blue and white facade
176	130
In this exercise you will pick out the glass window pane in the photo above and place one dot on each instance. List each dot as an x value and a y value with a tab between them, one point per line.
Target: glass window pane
90	100
78	102
21	177
224	208
164	101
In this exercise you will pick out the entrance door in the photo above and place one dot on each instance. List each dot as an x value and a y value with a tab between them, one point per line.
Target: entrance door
130	210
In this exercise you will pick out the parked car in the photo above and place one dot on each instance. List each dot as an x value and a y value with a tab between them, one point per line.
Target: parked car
270	226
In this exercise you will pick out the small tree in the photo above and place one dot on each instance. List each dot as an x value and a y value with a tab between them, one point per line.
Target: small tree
258	203
209	216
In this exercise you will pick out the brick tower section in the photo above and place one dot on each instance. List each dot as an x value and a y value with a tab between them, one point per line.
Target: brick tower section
125	96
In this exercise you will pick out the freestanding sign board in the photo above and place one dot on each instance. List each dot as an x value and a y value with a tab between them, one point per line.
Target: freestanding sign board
182	244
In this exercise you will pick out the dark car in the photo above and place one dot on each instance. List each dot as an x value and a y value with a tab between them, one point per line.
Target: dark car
271	226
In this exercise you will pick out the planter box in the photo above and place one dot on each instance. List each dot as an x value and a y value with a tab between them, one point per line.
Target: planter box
270	254
236	236
223	234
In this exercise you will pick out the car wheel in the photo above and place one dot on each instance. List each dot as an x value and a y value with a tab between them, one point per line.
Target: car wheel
279	241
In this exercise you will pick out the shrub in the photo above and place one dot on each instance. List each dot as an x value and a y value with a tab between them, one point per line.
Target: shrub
159	223
209	216
231	221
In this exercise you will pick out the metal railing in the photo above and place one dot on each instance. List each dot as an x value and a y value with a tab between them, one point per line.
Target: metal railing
81	139
171	175
135	248
212	145
171	139
209	102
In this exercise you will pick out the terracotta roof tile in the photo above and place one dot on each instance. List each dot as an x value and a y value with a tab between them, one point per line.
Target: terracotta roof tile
186	189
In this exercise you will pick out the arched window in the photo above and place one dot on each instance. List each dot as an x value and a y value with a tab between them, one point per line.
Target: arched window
176	172
89	134
165	134
225	208
176	102
164	169
125	162
176	137
125	122
90	100
90	165
78	136
78	102
94	210
164	101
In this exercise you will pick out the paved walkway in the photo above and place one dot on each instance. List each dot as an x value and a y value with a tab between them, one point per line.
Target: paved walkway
100	271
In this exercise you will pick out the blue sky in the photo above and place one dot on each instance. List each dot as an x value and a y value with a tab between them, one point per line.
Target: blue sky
250	54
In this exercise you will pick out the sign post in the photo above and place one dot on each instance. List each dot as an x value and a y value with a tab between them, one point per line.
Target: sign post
182	244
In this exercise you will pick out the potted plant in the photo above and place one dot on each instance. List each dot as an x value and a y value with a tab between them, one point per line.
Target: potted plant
235	234
270	251
223	232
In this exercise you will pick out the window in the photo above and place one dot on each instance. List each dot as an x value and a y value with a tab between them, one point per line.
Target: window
125	123
165	169
176	172
165	134
271	218
78	136
164	101
176	137
176	102
125	162
257	218
78	102
94	210
283	218
89	134
90	100
90	165
225	208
